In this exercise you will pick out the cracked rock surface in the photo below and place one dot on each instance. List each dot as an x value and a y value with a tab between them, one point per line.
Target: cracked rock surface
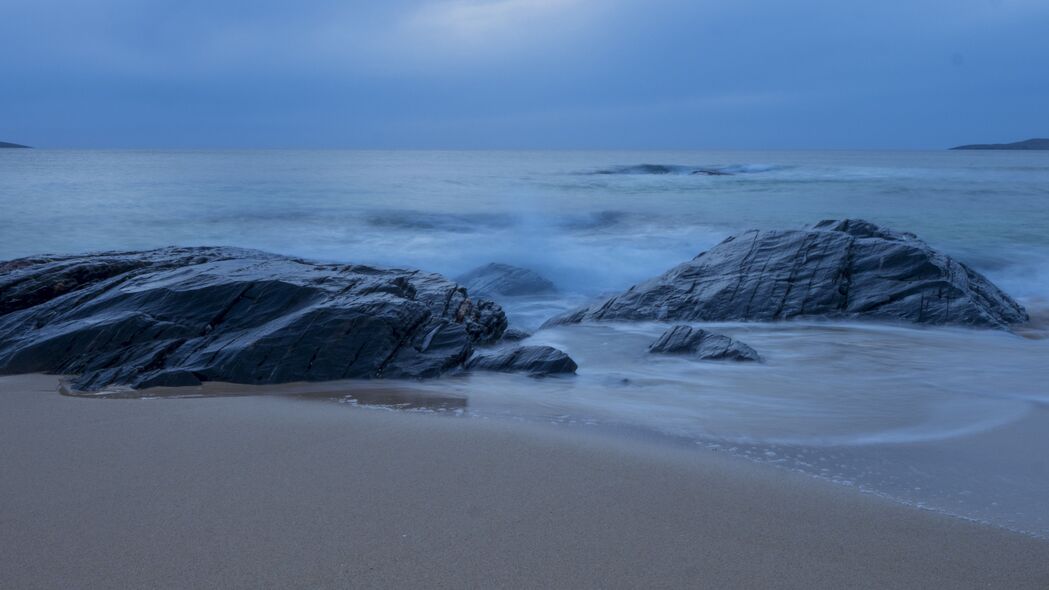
703	345
838	269
179	316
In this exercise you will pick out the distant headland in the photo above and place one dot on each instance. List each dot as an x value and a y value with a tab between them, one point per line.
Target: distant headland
4	144
1027	144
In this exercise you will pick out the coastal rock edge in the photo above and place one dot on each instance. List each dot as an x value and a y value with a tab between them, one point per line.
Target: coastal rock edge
836	269
180	316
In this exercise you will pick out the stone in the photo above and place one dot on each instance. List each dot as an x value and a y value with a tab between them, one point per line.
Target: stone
515	335
837	269
534	360
683	339
663	169
492	280
180	316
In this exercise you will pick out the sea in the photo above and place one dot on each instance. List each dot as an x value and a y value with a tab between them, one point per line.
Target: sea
948	419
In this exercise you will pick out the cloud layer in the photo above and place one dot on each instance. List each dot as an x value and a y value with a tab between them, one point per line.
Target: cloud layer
522	73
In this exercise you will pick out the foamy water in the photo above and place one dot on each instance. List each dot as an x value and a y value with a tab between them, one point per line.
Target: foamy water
952	419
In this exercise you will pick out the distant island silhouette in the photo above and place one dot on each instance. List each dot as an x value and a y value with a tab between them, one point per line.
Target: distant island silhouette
4	144
1027	144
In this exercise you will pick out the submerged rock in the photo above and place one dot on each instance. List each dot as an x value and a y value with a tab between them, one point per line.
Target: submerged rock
503	279
179	316
836	269
705	345
535	360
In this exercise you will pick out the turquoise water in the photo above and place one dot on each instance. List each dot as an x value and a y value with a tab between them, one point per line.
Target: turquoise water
941	417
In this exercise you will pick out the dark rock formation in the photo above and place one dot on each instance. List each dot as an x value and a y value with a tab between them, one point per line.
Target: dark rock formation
1027	144
679	170
4	144
535	360
179	316
662	169
502	279
682	339
515	335
836	269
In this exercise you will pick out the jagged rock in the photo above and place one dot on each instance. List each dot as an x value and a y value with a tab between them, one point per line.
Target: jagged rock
502	279
836	269
682	339
535	360
179	316
515	335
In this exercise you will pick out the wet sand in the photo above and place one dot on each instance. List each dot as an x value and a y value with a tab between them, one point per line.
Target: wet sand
272	492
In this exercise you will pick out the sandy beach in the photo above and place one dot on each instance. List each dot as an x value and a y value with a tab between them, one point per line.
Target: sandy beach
272	492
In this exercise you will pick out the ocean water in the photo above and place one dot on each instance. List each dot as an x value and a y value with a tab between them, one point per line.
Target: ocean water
946	418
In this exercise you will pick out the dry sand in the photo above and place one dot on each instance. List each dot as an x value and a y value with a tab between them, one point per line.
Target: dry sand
266	492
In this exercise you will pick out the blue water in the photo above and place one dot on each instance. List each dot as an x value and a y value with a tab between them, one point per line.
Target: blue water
447	211
946	418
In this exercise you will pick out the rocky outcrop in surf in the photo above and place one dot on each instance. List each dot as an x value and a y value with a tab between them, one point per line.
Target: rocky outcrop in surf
492	280
534	360
837	269
180	316
701	344
680	170
515	335
661	169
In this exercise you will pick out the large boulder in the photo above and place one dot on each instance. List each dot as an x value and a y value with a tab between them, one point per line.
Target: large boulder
534	360
179	316
836	269
495	279
683	339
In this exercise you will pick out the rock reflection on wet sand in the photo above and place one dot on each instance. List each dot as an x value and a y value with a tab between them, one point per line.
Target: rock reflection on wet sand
388	395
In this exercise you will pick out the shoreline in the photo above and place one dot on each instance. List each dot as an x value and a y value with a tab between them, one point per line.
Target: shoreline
264	491
950	474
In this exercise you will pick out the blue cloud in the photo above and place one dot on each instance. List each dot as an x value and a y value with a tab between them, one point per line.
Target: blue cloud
523	73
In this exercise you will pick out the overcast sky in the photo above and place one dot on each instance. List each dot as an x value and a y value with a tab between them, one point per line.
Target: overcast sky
523	73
